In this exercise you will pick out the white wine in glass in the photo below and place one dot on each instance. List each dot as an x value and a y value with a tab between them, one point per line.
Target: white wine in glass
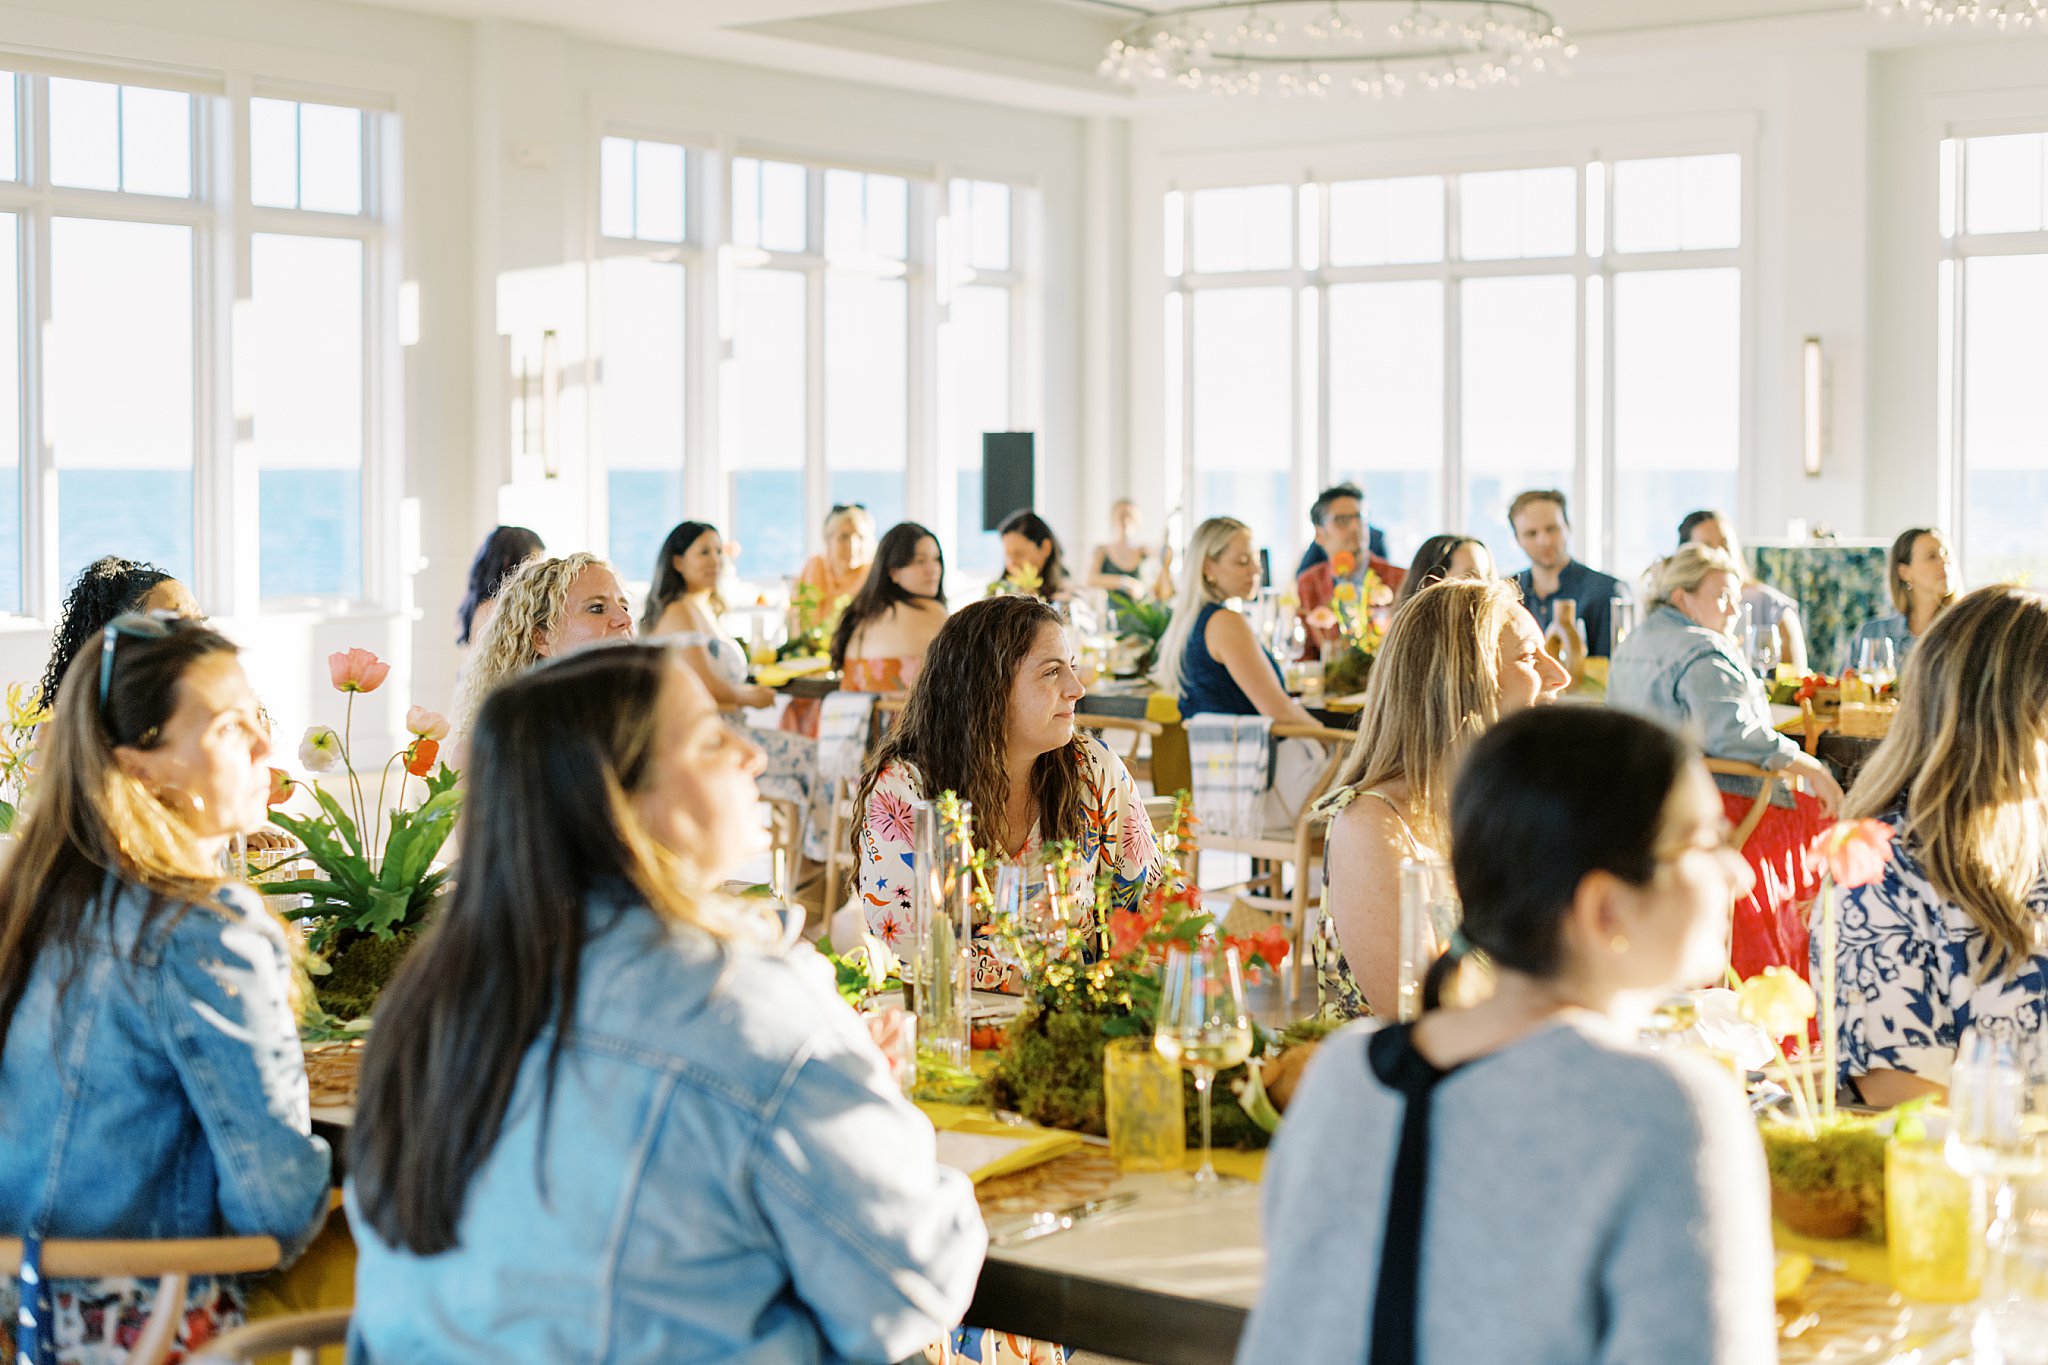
1203	1027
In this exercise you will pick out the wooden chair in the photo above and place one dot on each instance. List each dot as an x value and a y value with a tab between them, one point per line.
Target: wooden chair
839	854
1815	724
1767	783
785	841
171	1263
1159	810
303	1334
1140	731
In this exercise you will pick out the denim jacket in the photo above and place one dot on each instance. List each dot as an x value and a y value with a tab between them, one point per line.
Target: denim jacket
167	1097
1691	678
728	1173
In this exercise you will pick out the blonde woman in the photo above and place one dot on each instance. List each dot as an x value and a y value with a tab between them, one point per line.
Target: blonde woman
1951	936
547	608
839	572
1682	667
1769	609
1459	656
1209	657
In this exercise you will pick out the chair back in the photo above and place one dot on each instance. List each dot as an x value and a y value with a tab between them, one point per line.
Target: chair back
1231	757
1767	783
170	1262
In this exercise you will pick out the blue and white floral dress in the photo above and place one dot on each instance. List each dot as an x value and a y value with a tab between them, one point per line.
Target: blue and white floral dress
1913	971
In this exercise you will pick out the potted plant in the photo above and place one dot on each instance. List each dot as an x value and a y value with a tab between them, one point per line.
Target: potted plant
1139	626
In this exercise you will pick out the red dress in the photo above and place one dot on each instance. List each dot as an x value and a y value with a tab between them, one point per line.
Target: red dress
1770	922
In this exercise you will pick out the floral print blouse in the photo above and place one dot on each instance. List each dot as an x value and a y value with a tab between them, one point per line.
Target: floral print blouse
1913	971
1116	837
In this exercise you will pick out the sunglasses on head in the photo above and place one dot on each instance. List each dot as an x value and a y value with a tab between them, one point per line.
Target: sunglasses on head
154	625
839	507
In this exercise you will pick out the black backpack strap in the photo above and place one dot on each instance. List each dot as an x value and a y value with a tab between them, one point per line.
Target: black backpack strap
1396	1300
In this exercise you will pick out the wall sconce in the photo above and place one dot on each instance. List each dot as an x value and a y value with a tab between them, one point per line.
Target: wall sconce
540	389
1813	424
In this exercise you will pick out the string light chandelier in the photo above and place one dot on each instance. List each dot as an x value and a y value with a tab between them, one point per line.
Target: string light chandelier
2002	14
1328	47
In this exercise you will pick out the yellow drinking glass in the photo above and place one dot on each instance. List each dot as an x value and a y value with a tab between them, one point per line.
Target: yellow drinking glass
1142	1104
1934	1224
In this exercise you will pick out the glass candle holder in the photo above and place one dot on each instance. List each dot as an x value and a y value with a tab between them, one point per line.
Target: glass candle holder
1141	1100
1934	1224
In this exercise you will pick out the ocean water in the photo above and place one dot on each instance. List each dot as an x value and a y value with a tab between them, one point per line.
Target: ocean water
645	504
135	513
310	535
974	552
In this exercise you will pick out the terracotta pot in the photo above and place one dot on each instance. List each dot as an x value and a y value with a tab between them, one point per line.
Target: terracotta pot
1828	1214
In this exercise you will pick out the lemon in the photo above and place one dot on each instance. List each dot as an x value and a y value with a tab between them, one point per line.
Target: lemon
1791	1274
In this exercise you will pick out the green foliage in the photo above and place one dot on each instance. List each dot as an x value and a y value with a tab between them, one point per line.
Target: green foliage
1142	624
1847	1155
359	894
357	973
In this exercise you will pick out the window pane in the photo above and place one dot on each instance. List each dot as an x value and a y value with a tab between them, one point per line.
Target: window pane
2005	412
974	397
306	366
762	422
330	158
1689	203
156	142
9	162
658	192
845	216
1677	404
274	153
1516	407
889	216
1507	214
85	134
642	374
784	226
746	201
121	328
989	248
1387	404
867	392
2002	183
1387	222
1243	390
615	187
1248	228
10	414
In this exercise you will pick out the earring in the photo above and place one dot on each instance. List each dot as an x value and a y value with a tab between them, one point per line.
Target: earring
1619	943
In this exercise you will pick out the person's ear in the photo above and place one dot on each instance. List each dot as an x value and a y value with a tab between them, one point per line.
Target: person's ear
1598	921
542	644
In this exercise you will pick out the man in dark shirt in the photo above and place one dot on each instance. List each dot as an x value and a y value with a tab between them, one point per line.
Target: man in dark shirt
1544	531
1319	514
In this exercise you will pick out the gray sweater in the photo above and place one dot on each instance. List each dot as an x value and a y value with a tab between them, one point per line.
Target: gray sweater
1587	1202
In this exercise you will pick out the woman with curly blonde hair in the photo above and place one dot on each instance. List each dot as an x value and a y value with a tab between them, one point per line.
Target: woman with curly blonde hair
548	608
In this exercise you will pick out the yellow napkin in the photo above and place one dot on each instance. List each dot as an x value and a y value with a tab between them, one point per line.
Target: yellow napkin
1163	708
1868	1262
1027	1144
775	675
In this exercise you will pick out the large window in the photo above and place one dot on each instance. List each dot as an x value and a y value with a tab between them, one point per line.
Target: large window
1993	286
115	190
1446	341
844	298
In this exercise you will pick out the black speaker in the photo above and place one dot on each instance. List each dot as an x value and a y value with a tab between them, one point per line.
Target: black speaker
1009	475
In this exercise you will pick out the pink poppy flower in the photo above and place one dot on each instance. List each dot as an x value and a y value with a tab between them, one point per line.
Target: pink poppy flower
357	671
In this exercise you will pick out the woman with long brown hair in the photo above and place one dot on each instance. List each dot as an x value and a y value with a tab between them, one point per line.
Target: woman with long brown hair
1459	656
1920	574
606	1112
1951	937
992	719
151	1079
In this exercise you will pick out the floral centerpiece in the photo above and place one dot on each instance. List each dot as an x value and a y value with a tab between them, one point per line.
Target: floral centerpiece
18	730
811	622
377	882
1354	620
1139	627
1022	581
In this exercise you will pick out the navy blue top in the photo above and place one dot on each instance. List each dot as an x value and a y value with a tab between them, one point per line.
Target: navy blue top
1590	589
1206	687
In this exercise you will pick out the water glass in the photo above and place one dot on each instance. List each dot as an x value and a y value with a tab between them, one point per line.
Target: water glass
1429	915
1621	618
1141	1103
1996	1112
1203	1027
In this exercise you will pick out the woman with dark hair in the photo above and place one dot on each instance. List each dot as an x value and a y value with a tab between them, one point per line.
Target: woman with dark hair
1030	549
991	718
1921	575
683	607
1442	557
151	1079
658	1134
503	551
1626	1215
104	589
885	630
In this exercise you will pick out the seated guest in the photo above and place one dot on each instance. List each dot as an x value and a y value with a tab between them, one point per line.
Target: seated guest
1209	657
1375	538
151	1080
1031	549
1543	529
1954	935
1769	609
547	608
683	607
107	588
1681	667
1339	518
654	1126
1123	564
1457	659
1627	1218
1923	580
1445	557
503	551
992	719
837	574
884	632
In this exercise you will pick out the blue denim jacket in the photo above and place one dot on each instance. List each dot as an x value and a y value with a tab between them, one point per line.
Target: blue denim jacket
168	1097
730	1175
1692	679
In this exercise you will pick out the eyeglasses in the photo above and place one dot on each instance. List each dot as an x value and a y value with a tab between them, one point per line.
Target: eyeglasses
135	626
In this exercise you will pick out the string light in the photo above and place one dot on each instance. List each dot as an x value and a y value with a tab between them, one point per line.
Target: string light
1998	14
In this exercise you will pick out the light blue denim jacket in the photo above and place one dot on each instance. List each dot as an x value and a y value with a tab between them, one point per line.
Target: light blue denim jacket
1692	679
168	1097
730	1175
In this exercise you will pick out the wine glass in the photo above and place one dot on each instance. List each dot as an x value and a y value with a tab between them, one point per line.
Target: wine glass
1995	1131
1877	661
1006	918
1203	1027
